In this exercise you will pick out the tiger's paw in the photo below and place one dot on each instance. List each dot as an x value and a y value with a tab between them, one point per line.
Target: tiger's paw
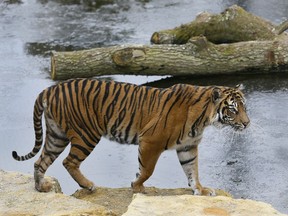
43	186
90	186
137	188
204	191
208	191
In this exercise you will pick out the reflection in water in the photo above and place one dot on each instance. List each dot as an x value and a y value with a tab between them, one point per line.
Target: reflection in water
11	2
89	5
44	49
252	82
68	27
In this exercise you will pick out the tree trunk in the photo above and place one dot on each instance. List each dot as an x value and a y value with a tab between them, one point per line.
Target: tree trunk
197	57
263	49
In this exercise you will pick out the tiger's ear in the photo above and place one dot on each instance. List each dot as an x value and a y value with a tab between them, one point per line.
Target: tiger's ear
216	94
240	87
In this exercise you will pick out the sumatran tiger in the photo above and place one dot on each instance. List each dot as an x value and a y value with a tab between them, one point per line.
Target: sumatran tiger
81	111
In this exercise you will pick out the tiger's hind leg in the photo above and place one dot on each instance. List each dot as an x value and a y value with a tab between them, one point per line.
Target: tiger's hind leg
78	153
55	142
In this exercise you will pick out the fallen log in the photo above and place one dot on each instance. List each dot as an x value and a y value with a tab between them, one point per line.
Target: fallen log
232	25
197	56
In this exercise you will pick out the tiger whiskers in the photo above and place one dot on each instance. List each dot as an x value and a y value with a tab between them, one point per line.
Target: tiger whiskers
233	134
230	134
226	133
255	127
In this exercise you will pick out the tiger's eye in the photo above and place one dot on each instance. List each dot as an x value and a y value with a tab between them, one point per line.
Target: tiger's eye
232	110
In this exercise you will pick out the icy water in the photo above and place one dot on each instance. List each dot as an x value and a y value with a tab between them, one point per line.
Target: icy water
250	165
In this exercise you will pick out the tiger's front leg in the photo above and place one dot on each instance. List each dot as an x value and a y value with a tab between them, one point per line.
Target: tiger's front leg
188	158
148	155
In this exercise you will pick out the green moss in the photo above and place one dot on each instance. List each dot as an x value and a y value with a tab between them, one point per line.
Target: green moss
228	50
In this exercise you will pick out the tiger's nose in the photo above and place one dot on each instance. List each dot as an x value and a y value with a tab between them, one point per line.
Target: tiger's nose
246	124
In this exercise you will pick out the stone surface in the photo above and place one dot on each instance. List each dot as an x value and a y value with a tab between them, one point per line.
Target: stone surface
18	197
197	205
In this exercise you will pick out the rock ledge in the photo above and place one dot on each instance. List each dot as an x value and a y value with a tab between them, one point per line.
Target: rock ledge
18	197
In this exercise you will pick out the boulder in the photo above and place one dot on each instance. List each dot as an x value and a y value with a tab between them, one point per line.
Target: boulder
19	198
197	205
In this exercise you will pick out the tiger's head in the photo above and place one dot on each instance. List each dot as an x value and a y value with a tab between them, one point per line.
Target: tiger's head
231	108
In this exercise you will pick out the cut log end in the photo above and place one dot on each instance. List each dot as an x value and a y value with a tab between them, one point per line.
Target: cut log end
162	38
155	38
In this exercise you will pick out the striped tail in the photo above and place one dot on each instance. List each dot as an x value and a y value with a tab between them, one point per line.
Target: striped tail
37	119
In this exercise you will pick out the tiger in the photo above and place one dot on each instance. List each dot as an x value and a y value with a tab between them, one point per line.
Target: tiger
80	111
